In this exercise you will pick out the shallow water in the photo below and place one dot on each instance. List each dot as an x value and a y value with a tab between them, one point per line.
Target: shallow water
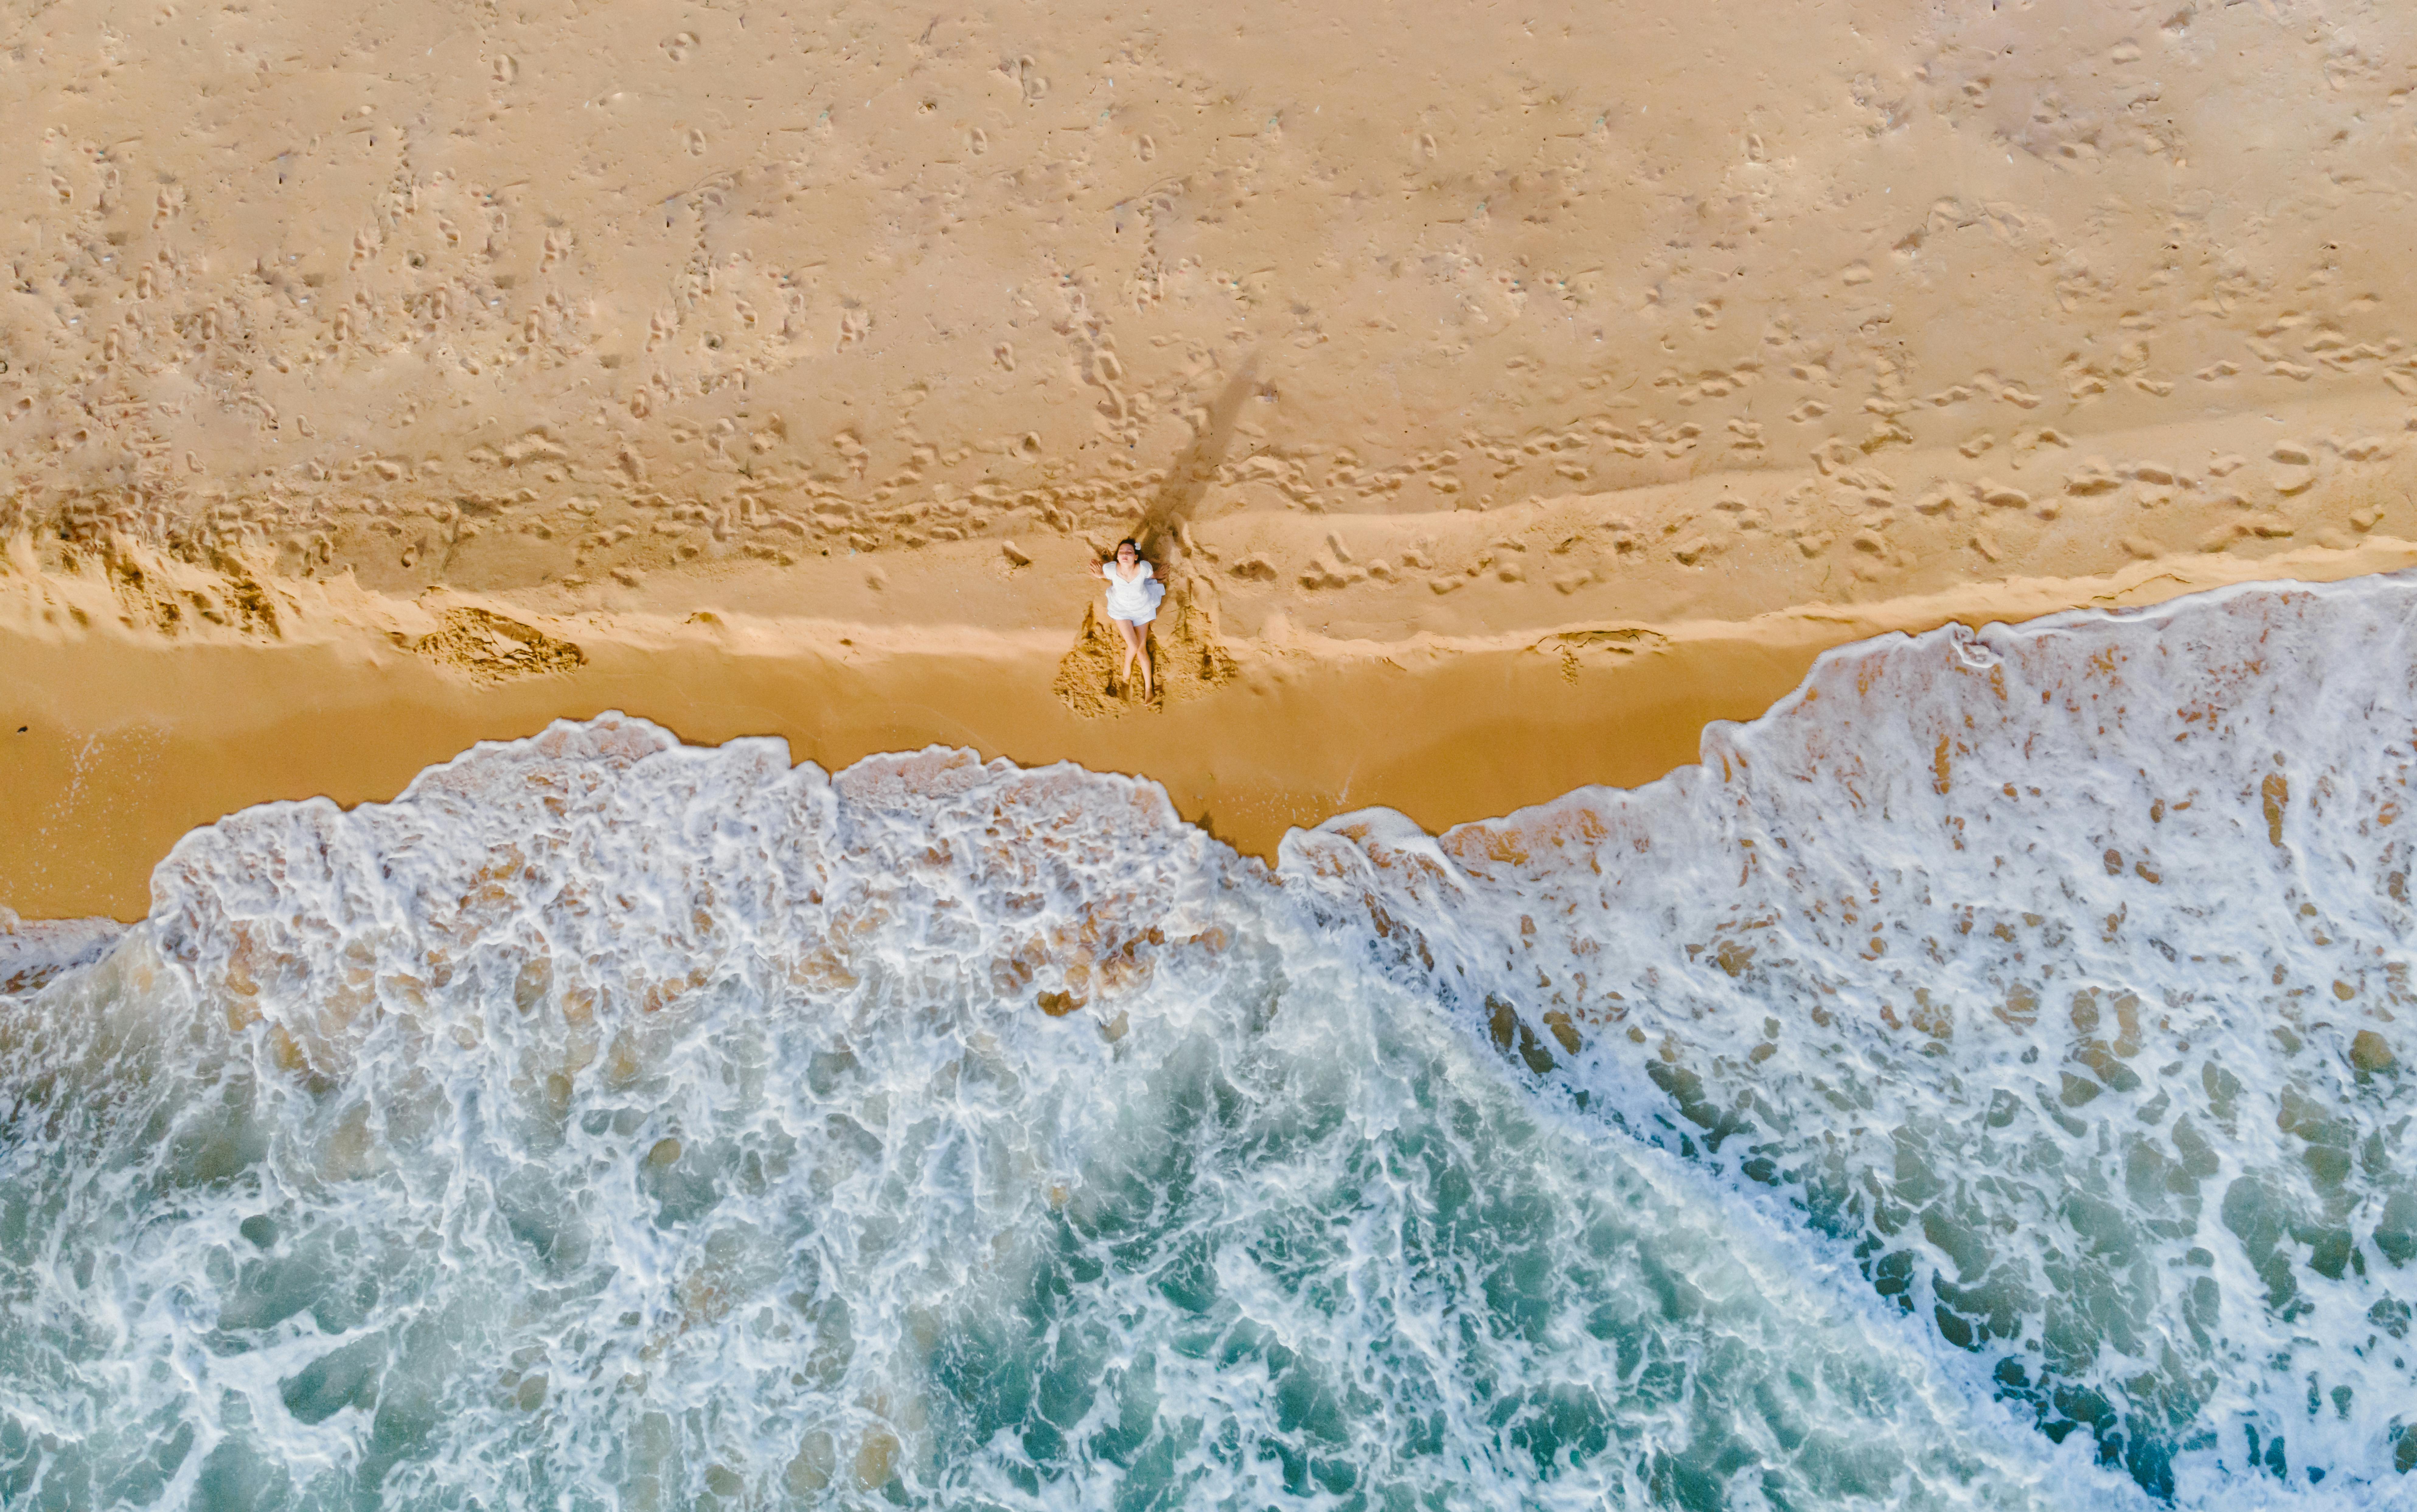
1982	1083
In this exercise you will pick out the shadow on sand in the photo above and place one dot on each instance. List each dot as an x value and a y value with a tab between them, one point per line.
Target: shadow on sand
1184	651
1188	480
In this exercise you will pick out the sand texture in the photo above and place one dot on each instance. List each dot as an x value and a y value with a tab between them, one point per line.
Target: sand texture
1501	394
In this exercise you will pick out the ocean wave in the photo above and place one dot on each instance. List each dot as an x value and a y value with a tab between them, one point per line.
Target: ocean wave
2060	971
1981	1082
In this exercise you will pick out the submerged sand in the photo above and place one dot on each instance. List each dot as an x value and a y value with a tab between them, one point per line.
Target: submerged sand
1502	397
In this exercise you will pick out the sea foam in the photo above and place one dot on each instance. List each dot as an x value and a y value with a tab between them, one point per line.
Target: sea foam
1982	1083
2061	971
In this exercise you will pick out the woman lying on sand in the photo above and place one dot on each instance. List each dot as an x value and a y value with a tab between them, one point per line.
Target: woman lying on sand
1133	593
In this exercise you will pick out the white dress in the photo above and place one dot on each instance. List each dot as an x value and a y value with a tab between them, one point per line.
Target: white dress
1135	600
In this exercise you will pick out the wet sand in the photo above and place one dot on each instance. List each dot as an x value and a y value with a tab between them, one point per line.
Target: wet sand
130	743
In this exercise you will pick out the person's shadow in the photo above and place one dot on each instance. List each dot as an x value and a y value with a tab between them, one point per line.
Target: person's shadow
1183	646
1188	480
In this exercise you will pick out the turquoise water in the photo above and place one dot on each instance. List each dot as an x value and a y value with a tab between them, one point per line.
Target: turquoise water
1959	1092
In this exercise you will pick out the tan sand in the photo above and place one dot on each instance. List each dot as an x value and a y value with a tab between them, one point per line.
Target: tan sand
1504	396
132	741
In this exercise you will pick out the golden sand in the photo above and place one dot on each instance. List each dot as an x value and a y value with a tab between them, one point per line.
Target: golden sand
133	740
1502	396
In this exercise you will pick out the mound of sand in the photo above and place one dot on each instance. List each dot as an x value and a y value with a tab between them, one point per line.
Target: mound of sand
490	649
1187	661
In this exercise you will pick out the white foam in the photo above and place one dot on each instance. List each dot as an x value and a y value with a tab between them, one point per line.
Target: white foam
609	1122
33	954
2051	968
612	1121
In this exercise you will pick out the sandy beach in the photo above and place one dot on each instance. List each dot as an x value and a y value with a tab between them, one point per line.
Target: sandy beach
1870	550
1500	400
128	742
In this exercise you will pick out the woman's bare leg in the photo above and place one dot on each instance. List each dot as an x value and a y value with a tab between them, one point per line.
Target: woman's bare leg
1128	645
1141	649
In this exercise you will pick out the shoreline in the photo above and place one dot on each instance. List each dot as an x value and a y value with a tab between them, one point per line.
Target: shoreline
373	383
131	740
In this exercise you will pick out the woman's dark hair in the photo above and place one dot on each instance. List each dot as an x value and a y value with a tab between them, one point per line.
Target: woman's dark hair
1127	541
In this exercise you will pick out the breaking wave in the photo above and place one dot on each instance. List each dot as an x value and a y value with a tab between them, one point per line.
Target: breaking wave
1982	1083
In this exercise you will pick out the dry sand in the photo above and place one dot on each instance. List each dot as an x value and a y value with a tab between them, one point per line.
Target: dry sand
1504	394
